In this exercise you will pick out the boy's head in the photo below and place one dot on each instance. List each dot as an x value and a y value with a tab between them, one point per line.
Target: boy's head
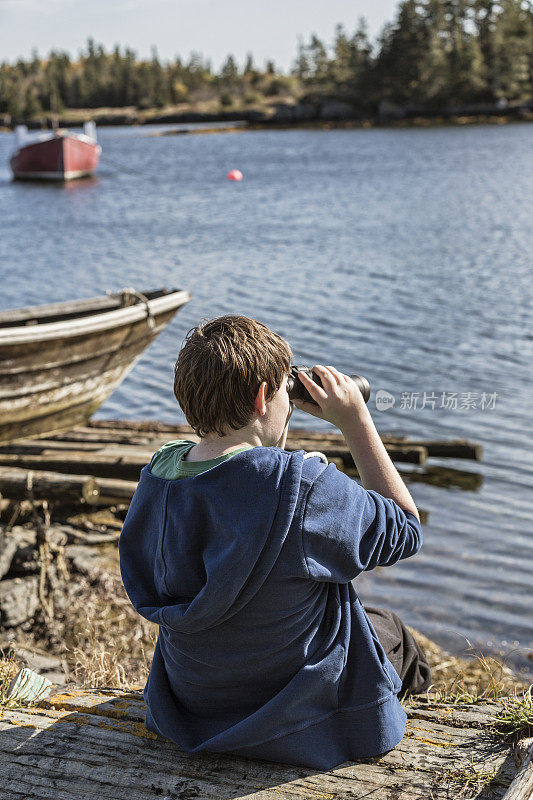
221	368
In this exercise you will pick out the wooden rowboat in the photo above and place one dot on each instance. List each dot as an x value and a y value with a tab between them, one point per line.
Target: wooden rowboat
59	362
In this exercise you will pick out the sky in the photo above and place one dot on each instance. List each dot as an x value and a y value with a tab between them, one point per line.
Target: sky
266	28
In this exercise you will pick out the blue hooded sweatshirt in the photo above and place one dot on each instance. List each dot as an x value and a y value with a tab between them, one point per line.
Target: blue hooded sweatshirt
264	649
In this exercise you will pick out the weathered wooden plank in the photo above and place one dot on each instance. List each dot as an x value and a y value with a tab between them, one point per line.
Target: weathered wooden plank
54	311
122	465
405	453
49	446
522	786
93	744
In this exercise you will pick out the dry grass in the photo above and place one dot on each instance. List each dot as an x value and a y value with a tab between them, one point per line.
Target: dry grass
107	643
8	669
469	679
103	641
98	634
470	780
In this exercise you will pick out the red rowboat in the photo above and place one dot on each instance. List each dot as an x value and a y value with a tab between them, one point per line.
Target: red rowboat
55	155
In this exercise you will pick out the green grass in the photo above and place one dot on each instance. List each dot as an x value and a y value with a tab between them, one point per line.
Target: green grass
515	719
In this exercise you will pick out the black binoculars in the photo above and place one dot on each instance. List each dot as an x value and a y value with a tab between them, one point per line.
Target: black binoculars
297	390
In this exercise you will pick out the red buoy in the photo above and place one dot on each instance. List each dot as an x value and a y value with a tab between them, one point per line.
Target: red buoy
234	175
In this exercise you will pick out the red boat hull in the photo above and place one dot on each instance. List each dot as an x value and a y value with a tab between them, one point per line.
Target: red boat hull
60	158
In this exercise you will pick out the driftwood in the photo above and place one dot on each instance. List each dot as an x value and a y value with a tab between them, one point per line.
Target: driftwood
19	599
127	465
99	464
93	744
115	449
522	786
453	448
16	483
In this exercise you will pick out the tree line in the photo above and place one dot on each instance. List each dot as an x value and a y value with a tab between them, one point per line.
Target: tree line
434	54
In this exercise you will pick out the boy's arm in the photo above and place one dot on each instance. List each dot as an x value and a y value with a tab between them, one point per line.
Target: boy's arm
373	462
347	529
340	401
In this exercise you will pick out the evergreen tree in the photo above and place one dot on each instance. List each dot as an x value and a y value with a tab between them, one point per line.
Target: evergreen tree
513	52
402	47
229	72
302	67
434	54
318	60
160	91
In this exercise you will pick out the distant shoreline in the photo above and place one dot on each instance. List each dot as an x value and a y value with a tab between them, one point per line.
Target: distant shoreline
280	116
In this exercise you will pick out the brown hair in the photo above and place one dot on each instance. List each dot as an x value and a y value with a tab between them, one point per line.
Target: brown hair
219	370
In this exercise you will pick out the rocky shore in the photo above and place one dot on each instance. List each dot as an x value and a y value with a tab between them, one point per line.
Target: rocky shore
283	113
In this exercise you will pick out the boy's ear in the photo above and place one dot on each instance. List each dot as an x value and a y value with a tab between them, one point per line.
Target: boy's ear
260	402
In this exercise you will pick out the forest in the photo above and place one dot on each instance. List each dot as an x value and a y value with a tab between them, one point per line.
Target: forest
435	54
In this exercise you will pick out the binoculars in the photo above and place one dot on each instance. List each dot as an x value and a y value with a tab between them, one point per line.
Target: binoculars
297	390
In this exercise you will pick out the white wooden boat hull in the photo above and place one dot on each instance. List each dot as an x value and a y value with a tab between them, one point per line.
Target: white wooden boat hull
54	375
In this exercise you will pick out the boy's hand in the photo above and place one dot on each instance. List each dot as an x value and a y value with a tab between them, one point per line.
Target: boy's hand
339	398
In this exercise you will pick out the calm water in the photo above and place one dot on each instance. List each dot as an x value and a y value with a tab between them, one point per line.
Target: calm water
403	255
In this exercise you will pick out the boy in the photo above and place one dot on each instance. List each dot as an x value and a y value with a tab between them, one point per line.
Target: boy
243	553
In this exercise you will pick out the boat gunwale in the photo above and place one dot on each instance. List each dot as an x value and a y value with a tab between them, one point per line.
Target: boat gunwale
92	323
59	138
99	303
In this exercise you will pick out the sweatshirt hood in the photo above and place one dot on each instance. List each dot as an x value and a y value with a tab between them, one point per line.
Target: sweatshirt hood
194	551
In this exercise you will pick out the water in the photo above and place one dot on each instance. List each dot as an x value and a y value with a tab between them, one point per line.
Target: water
403	255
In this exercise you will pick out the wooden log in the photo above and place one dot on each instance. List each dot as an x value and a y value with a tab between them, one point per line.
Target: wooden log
112	492
93	743
126	463
437	448
125	467
407	454
447	477
14	483
100	437
66	488
452	448
145	426
522	786
40	446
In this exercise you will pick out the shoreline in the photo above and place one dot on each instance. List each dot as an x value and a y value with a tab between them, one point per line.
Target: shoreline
83	628
280	116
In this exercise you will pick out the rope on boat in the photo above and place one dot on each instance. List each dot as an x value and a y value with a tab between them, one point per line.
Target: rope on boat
142	297
124	168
